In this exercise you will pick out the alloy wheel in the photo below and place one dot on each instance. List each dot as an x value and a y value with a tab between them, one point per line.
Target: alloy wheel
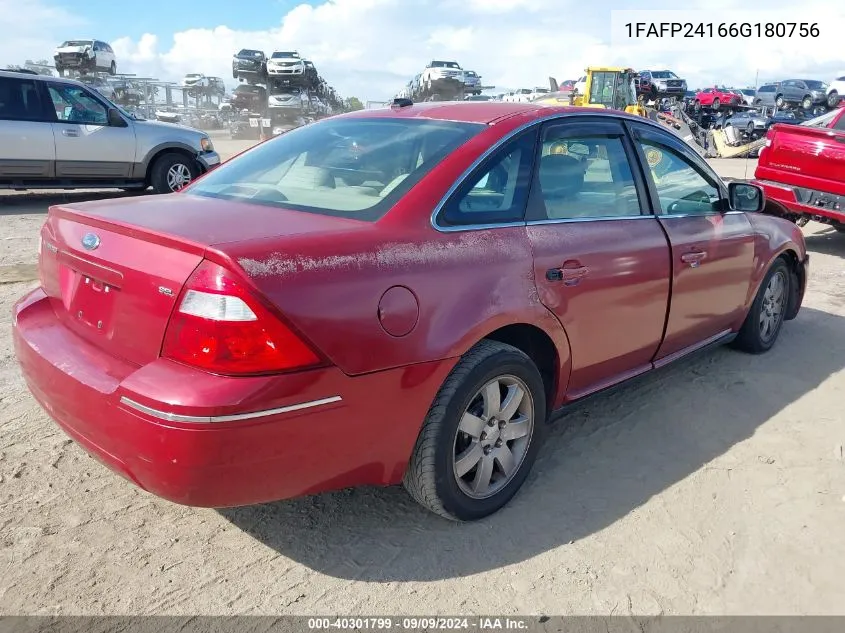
772	307
178	176
493	437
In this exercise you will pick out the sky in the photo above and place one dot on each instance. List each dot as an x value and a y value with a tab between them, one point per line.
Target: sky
370	48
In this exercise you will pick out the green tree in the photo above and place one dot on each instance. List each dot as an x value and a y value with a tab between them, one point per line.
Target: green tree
354	103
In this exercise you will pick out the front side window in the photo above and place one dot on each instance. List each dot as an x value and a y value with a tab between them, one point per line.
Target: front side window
75	105
682	189
20	100
584	172
355	168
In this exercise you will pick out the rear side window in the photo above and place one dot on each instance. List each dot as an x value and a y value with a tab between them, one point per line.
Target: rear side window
766	89
584	172
20	100
355	168
498	191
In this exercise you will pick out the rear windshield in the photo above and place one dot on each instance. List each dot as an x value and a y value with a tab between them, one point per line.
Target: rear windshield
354	168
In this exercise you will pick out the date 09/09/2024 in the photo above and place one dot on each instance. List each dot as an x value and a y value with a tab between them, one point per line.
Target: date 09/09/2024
722	29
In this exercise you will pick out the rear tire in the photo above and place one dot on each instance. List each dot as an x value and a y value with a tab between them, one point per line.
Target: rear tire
716	104
779	101
473	402
171	172
765	318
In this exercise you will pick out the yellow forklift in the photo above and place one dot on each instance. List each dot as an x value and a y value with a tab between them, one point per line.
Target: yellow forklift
606	87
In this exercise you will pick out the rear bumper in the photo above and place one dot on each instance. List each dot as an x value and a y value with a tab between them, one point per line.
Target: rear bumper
203	440
786	196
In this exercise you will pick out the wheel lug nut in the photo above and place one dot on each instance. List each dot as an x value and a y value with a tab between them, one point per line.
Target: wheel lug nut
498	443
491	422
484	436
502	424
487	450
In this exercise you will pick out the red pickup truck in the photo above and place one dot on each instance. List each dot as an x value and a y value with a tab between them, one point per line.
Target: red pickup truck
802	170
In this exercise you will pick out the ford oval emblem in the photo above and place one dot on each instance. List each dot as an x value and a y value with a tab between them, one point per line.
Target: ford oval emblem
91	241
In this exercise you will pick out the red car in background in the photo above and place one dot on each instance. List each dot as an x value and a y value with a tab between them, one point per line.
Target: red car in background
397	295
715	98
802	169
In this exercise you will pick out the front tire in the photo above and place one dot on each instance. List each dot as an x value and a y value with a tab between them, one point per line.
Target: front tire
172	172
716	104
832	99
807	102
779	101
481	435
765	318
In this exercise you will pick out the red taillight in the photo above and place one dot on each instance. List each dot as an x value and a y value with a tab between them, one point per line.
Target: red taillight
218	325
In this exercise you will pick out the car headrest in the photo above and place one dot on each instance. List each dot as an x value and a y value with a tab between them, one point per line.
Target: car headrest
560	175
308	177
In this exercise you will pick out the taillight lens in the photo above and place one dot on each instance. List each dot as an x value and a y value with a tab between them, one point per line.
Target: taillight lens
221	327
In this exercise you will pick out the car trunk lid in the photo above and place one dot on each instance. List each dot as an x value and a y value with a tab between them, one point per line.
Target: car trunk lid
113	269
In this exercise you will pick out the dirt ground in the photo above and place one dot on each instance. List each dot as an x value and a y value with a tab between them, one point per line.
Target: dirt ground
716	486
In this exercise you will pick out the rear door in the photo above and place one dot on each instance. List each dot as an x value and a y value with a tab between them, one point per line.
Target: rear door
712	250
601	261
27	149
86	146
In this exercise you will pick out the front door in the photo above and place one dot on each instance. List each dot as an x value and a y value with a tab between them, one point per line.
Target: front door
601	261
712	249
86	146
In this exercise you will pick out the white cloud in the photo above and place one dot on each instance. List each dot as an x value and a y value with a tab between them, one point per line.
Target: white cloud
369	48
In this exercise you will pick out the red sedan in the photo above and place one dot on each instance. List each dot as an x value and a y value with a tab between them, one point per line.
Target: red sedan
715	98
400	295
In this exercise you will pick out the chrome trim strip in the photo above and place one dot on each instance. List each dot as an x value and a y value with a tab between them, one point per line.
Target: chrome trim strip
507	137
602	218
175	417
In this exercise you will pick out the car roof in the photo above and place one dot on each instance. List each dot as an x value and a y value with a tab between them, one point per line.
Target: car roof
62	80
485	112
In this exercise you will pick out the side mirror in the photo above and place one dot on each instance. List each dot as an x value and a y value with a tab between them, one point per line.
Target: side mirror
743	196
114	118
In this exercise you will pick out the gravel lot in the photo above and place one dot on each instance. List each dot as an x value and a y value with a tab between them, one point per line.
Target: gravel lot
713	487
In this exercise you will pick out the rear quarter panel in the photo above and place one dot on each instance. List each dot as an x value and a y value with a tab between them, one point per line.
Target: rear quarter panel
466	284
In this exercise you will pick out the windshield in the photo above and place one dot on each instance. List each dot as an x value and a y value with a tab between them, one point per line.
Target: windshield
279	54
823	120
250	53
354	168
77	43
816	85
445	65
541	91
664	74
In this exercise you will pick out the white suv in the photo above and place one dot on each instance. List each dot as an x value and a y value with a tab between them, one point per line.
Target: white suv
286	64
61	134
85	56
437	70
835	92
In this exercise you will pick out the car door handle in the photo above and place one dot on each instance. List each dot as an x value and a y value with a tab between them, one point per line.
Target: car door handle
693	258
570	276
70	132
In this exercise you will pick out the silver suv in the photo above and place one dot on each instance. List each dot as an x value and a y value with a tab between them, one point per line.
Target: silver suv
60	134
